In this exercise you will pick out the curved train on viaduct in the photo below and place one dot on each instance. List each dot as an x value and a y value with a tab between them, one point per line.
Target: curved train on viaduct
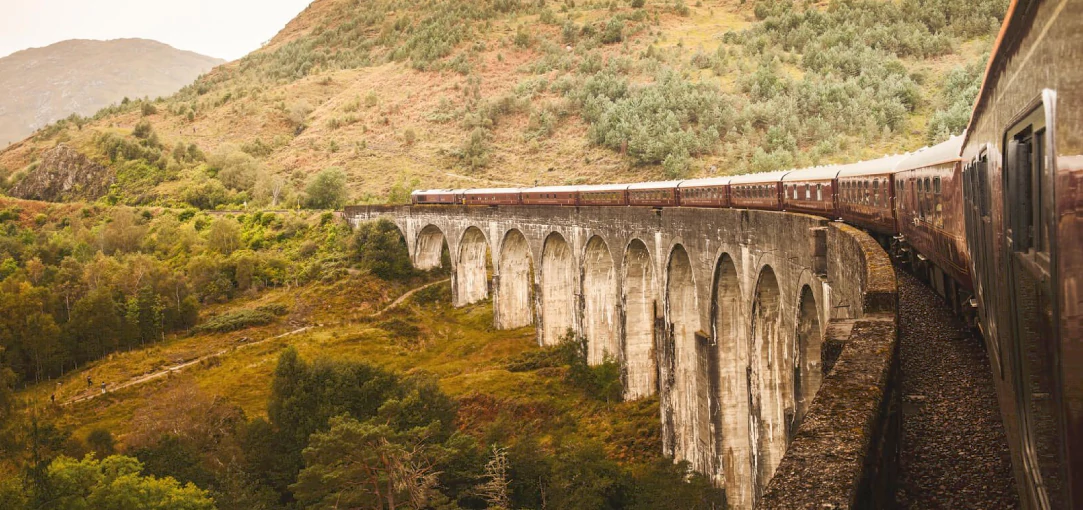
992	219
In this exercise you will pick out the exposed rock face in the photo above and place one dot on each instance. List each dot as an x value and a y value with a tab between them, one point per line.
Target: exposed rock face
65	174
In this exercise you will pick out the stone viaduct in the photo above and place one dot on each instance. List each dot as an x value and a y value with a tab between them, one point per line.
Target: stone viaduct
734	318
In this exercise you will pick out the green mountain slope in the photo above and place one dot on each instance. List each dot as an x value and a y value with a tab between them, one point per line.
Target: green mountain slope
452	93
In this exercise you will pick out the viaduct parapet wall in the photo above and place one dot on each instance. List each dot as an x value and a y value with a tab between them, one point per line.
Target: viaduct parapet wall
768	337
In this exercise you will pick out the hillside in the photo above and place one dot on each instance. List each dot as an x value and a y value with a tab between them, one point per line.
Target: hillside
42	85
503	92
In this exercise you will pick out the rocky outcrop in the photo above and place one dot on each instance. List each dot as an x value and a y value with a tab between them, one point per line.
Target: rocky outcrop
64	174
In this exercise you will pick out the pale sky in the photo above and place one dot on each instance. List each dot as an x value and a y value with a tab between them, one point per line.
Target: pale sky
227	29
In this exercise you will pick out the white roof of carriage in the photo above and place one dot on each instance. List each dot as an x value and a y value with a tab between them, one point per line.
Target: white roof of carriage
434	191
885	165
944	152
760	178
654	185
565	189
492	191
816	173
706	181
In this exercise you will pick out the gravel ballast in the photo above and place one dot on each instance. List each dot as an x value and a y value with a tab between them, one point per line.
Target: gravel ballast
954	453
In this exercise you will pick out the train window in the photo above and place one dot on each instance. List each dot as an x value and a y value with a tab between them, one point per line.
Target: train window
819	192
876	192
938	206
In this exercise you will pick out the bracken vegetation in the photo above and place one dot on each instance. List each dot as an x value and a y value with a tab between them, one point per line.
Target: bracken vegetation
771	85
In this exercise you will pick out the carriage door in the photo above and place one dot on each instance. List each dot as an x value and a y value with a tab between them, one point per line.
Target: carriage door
979	234
1035	348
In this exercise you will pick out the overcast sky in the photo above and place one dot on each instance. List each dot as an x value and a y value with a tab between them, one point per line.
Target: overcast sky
226	29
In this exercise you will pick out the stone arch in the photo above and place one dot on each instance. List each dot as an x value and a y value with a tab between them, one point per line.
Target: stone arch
513	302
640	371
808	340
769	380
557	289
600	302
429	250
686	406
472	271
729	410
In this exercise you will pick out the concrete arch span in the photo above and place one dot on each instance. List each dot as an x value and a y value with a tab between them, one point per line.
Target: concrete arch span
558	284
471	278
729	406
808	343
430	246
640	371
770	380
685	406
513	294
600	317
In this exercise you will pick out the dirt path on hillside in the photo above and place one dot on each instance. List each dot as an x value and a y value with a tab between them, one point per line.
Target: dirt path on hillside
94	392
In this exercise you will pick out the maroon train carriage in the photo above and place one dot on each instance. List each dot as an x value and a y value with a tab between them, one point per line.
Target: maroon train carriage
866	195
606	194
493	196
757	191
929	198
654	194
707	192
436	196
551	195
811	191
1023	156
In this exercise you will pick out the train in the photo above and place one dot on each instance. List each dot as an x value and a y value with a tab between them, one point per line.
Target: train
992	219
913	223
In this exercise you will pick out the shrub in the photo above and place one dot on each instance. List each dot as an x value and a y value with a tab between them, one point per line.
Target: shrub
327	190
142	130
671	116
101	442
298	113
148	109
400	328
475	151
614	32
234	167
379	248
235	320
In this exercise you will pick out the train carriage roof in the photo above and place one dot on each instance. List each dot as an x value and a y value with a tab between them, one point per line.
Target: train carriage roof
436	191
945	152
566	189
654	185
817	173
705	182
760	178
492	191
885	165
603	187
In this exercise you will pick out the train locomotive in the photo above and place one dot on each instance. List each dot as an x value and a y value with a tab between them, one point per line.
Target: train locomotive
992	219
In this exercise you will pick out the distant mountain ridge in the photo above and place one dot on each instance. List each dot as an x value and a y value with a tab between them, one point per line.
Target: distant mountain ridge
42	85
